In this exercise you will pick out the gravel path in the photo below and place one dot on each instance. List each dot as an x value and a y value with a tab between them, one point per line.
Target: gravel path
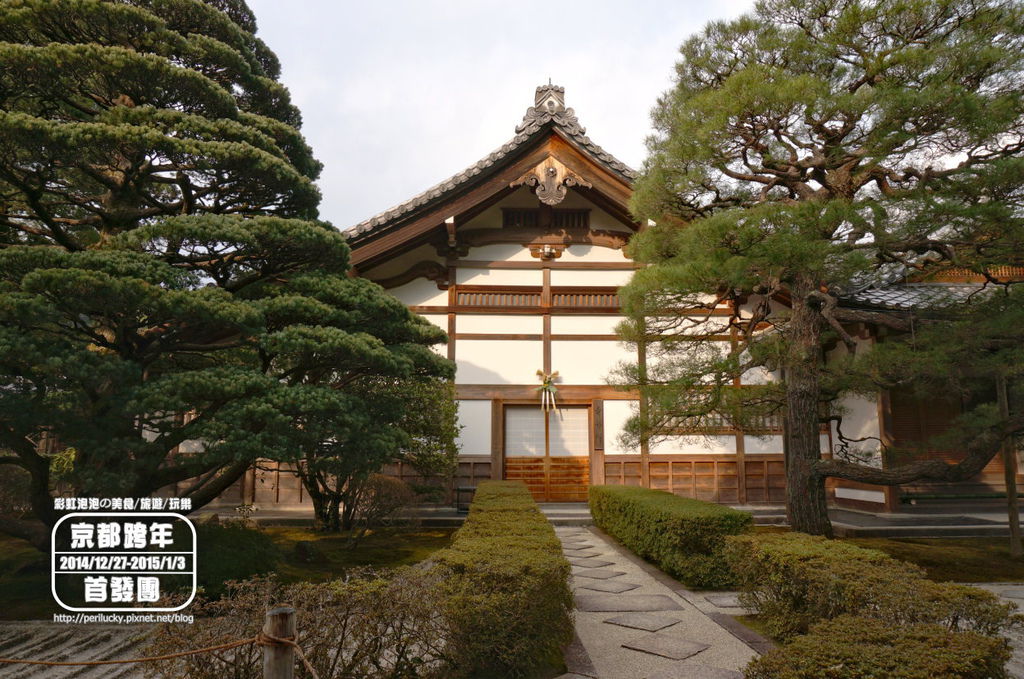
43	640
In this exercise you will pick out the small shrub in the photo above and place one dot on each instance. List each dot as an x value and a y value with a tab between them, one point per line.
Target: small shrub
232	551
794	580
383	498
864	648
507	598
370	626
684	537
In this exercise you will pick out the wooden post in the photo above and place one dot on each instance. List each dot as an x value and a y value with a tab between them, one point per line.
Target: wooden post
1010	474
279	659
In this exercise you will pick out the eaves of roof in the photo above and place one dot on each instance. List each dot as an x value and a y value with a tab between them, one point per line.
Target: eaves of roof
536	124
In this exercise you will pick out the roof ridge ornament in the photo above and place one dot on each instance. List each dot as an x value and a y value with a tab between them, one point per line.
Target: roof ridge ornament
549	104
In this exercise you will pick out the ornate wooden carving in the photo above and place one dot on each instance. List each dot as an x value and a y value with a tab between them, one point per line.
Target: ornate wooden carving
533	235
547	252
434	271
551	180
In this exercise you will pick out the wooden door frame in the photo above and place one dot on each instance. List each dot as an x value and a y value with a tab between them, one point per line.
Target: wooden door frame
499	409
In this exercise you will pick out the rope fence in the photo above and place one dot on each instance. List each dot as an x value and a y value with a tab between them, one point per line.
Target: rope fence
278	658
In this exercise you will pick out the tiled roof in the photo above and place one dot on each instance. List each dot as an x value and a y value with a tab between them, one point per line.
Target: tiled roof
913	296
537	119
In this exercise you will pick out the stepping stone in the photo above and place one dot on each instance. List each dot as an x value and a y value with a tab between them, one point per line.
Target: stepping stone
625	603
582	553
666	646
724	600
597	573
650	622
576	544
571	675
589	563
688	671
615	586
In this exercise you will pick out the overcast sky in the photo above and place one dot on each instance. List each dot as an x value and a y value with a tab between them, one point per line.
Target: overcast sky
397	95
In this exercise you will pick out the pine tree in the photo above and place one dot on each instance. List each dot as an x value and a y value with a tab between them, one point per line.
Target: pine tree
806	148
170	308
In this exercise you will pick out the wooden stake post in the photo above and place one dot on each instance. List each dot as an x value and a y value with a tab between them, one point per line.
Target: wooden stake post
279	659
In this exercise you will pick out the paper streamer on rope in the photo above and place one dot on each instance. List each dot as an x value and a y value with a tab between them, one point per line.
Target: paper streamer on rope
547	390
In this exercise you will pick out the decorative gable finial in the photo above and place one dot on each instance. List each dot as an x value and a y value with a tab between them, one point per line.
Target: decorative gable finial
550	98
548	105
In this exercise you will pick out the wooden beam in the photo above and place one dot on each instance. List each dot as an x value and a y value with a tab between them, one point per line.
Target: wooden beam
465	202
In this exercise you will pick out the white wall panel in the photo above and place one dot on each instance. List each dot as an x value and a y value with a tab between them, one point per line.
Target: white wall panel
498	361
493	323
420	292
611	278
591	253
584	325
475	420
615	415
501	252
587	362
763	445
860	420
696	445
859	494
499	277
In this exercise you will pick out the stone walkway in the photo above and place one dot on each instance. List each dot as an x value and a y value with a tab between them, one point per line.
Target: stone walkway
631	624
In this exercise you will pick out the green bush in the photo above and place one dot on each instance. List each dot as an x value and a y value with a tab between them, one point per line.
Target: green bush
794	580
684	537
865	648
508	604
232	551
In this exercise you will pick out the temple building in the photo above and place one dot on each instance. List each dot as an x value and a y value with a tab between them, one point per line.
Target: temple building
519	259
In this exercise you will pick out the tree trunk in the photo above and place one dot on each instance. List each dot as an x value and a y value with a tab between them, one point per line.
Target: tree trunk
1010	473
806	505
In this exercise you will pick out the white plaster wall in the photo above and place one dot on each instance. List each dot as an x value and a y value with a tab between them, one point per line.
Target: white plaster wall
700	324
475	419
860	420
499	277
615	415
498	361
763	445
859	494
592	253
587	362
696	445
612	278
759	375
501	252
420	292
493	323
584	325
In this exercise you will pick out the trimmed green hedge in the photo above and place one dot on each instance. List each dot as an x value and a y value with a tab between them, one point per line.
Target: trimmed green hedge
508	603
794	580
684	537
864	648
